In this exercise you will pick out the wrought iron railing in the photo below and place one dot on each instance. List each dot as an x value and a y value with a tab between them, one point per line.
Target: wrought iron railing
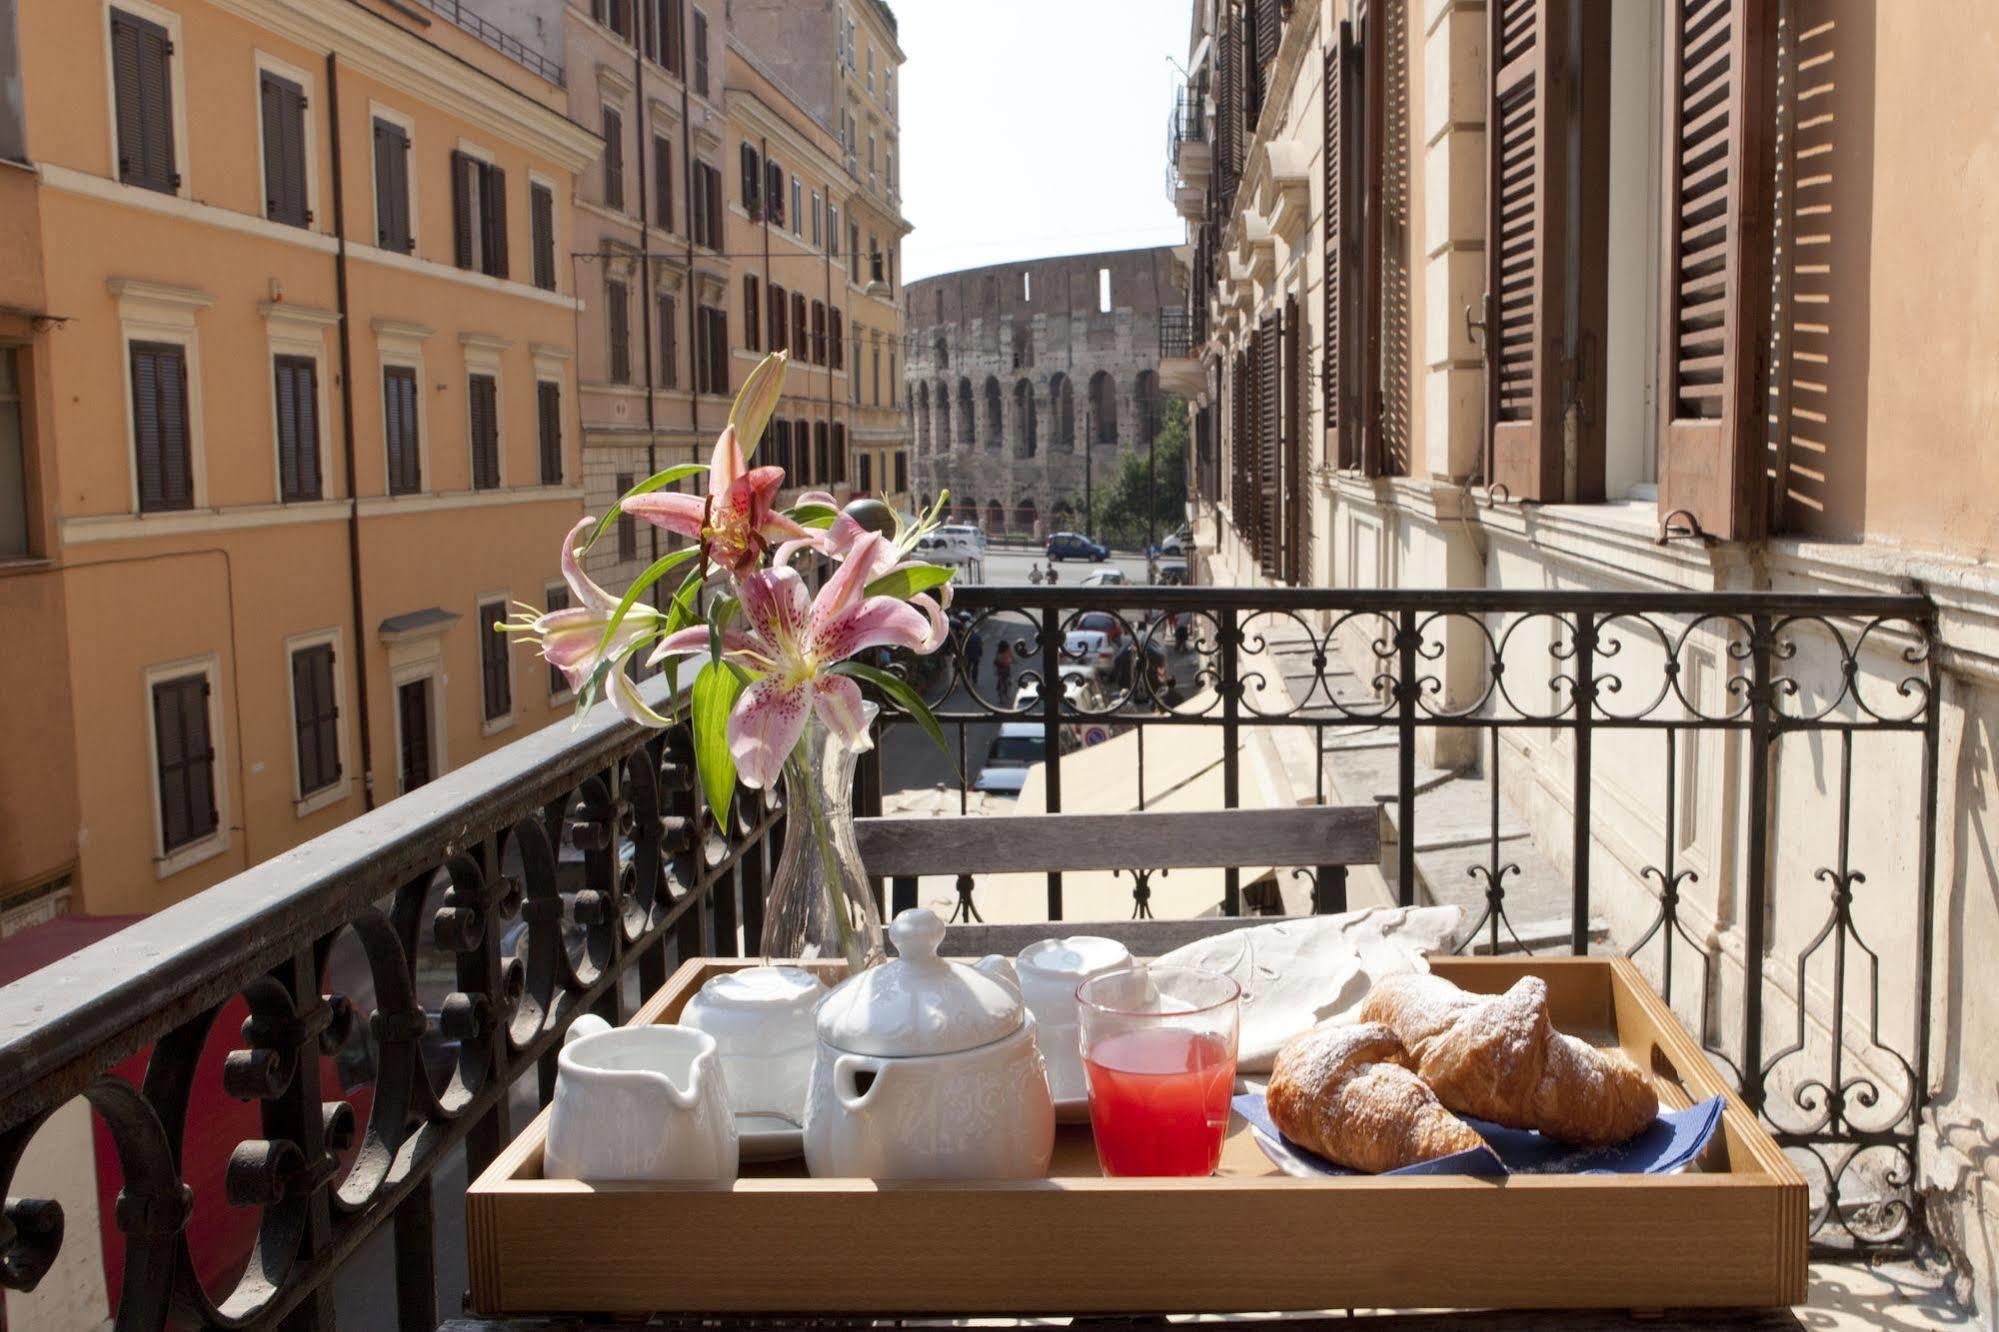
1176	333
505	43
394	979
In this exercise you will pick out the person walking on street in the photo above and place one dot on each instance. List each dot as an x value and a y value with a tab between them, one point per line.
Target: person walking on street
1003	669
975	651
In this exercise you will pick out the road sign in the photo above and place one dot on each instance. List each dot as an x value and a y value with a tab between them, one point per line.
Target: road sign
1094	735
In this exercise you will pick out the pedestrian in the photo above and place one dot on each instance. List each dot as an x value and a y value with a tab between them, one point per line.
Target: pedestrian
975	651
1034	574
1051	573
1003	669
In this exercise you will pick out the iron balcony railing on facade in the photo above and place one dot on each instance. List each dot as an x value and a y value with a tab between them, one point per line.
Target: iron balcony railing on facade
505	43
1186	122
1176	333
375	994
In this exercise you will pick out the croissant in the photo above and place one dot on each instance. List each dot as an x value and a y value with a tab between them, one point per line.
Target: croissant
1499	1057
1343	1090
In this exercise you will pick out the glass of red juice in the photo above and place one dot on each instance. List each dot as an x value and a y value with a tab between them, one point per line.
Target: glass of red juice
1159	1046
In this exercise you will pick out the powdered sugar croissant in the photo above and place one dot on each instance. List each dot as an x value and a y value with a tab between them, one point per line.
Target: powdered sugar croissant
1344	1091
1499	1057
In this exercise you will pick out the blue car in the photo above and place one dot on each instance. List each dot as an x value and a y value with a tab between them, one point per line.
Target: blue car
1076	546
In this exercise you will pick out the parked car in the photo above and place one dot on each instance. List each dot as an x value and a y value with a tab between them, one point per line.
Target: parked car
1105	578
947	547
1124	660
1103	622
1081	693
1017	746
1076	546
967	534
1088	647
1173	573
1177	543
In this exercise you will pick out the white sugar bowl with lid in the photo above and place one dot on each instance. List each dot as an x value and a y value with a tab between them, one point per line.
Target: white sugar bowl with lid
761	1019
927	1069
1049	972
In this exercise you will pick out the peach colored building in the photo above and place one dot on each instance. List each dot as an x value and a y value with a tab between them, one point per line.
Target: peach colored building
288	343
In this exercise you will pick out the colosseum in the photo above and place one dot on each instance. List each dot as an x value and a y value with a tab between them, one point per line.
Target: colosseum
1006	362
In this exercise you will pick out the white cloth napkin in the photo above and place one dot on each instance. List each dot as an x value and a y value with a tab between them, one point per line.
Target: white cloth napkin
1297	973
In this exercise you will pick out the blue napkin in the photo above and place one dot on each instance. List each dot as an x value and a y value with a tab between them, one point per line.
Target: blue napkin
1675	1139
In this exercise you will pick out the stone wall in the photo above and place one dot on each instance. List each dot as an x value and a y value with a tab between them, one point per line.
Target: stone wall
1024	392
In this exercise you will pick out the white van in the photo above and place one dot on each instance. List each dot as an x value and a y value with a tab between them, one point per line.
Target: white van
965	532
951	545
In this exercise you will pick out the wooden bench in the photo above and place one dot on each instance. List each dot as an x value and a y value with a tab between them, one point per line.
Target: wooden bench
1324	839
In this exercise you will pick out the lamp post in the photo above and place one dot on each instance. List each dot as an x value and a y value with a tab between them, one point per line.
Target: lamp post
1089	469
1149	418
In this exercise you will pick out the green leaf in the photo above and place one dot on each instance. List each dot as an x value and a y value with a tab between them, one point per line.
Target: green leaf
645	487
715	693
905	582
900	694
660	567
813	515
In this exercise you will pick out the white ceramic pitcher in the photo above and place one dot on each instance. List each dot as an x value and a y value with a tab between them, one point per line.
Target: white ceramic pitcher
639	1103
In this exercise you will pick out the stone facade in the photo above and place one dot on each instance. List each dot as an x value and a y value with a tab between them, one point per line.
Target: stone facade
1029	381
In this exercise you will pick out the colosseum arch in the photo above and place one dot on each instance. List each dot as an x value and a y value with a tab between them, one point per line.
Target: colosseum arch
940	348
1024	443
995	518
1103	408
1146	403
920	419
1024	515
940	435
967	423
994	424
1062	411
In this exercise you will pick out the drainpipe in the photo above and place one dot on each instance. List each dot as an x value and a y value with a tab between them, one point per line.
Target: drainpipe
642	120
687	203
347	431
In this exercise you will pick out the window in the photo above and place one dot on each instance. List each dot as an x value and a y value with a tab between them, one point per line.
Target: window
672	37
876	375
752	182
901	471
283	109
797	207
479	215
832	228
1103	291
866	472
392	187
836	343
780	443
822	465
711	350
483	404
871	69
874	257
816	219
751	323
617	311
541	217
669	348
555	598
839	453
184	761
700	53
160	433
1026	287
779	326
13	460
615	15
871	162
614	159
662	182
705	217
891	378
142	76
413	721
298	427
854	252
399	426
495	673
801	340
315	718
548	416
773	193
628	526
818	332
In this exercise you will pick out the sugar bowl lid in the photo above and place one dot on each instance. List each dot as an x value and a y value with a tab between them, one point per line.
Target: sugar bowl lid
918	1003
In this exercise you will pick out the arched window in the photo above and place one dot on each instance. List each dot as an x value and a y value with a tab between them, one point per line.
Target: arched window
995	518
1145	400
943	353
993	428
1023	413
1103	408
941	438
1061	516
966	434
1023	345
920	417
1062	408
1024	515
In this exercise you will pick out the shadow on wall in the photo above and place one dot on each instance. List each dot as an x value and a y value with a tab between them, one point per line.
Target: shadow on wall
1821	389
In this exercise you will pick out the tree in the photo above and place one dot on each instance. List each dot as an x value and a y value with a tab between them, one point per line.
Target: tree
1121	506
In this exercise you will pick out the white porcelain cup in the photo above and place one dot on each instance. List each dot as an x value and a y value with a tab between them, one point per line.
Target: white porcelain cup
762	1022
639	1103
1049	972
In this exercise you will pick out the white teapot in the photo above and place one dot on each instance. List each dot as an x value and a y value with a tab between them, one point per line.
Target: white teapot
927	1069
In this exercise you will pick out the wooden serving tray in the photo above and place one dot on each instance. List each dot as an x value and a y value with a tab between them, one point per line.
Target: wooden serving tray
1729	1234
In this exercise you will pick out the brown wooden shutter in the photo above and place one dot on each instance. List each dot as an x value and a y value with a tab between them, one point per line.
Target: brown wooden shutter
799	339
774	192
628	526
548	415
496	678
283	105
1228	112
1341	160
1717	244
752	313
715	234
1268	429
676	44
297	385
617	312
392	200
752	181
186	757
662	179
399	413
316	718
493	195
1292	457
669	350
541	209
614	159
413	705
485	433
464	172
165	457
718	348
142	76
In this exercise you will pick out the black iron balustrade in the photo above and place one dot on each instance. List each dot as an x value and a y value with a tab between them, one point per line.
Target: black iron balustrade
1577	668
505	43
532	885
570	869
1176	333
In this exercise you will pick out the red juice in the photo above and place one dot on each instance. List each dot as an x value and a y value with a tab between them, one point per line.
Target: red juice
1159	1100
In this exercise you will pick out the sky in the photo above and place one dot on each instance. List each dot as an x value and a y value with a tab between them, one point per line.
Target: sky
1035	127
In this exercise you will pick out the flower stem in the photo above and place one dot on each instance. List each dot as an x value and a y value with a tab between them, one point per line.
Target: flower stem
829	861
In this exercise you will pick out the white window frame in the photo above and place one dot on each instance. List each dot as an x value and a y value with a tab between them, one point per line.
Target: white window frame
304	803
183	157
379	111
429	666
209	665
483	356
153	312
265	62
400	343
494	725
297	330
557	697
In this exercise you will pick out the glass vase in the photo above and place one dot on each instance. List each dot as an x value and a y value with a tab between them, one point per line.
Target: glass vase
820	904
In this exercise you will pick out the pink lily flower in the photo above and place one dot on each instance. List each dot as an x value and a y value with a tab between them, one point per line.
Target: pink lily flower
572	639
738	517
790	639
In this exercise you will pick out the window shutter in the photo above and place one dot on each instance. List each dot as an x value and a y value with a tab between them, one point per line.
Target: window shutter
669	351
1292	456
1373	103
170	744
1268	406
777	313
614	159
799	331
463	173
774	192
384	187
1228	78
541	206
494	195
714	205
399	409
752	299
1341	160
617	311
662	176
548	414
1717	244
752	182
400	234
298	427
493	658
142	74
485	433
159	426
837	345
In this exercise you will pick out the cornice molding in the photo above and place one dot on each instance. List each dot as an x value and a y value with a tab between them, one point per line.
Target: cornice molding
285	312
